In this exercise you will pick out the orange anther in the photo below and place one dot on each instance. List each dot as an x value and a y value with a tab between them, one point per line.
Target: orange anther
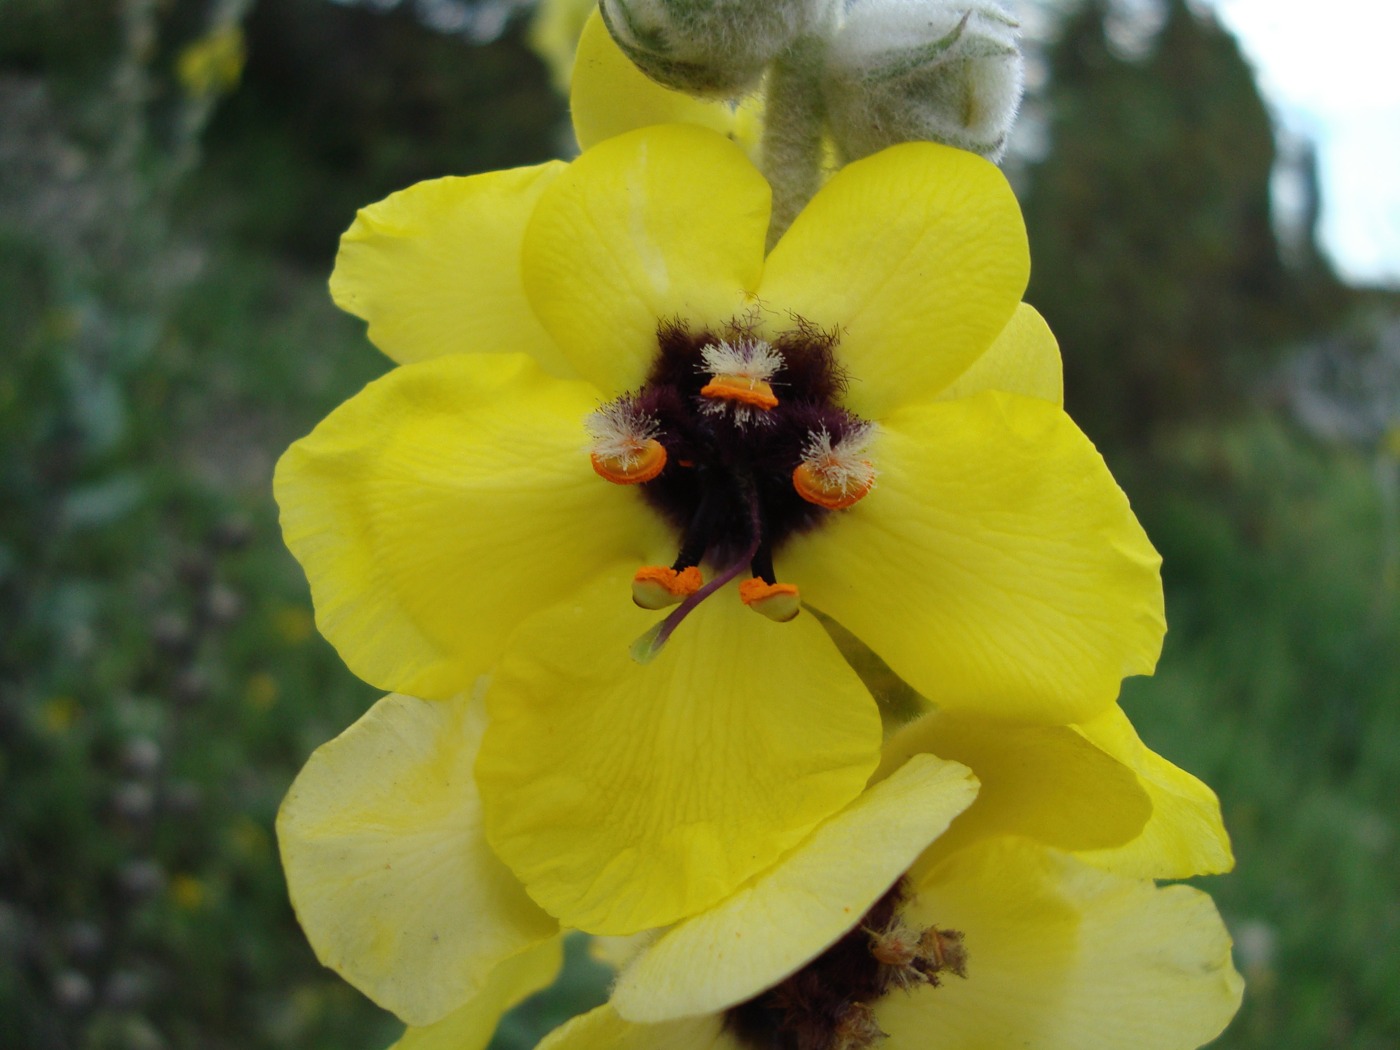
777	601
638	464
830	485
748	390
657	586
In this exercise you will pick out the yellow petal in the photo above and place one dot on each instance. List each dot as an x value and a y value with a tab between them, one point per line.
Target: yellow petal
995	567
435	268
1024	359
1185	835
917	256
1063	956
441	505
471	1026
611	96
790	913
603	1029
387	867
1044	782
660	224
627	796
617	952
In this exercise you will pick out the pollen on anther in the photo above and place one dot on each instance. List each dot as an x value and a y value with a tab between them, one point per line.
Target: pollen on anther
779	602
625	449
835	474
740	374
744	359
657	586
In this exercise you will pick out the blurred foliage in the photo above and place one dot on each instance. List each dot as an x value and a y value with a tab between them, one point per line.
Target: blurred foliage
1278	688
168	331
341	106
161	680
1154	255
71	39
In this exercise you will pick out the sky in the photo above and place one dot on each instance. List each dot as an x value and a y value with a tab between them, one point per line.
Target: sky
1330	71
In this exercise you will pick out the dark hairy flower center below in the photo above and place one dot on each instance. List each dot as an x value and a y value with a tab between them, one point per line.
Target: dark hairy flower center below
829	1004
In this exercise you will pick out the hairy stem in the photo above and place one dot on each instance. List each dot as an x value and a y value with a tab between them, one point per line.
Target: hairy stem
794	118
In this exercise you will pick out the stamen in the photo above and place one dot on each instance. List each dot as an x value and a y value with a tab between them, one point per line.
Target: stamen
756	393
856	1028
657	586
745	358
740	372
918	957
830	1003
734	466
896	946
943	950
650	643
625	449
835	475
646	647
777	601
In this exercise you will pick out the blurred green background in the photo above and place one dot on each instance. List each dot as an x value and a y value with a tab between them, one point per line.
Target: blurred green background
168	215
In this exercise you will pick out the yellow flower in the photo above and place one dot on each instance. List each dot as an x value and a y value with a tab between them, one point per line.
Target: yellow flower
392	881
1007	943
1029	849
212	64
609	95
1390	441
452	521
1029	919
188	892
262	690
59	714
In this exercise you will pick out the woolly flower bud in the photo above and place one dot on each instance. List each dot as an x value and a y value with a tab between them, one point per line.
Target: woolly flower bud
936	70
705	47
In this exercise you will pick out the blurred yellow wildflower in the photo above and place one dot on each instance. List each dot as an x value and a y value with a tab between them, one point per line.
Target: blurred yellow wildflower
263	690
293	624
247	838
58	714
554	33
1390	441
188	892
212	64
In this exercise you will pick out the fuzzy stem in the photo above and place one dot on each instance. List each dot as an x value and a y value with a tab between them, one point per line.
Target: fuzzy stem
794	116
792	136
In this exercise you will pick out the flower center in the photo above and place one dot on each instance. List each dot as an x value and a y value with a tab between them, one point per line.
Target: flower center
739	442
829	1004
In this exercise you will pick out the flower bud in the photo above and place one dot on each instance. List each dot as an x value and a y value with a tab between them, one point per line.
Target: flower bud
704	47
923	70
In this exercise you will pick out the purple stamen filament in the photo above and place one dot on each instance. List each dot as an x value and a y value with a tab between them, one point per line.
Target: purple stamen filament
645	648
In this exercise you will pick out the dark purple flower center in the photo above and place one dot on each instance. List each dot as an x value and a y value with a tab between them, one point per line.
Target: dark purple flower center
730	463
829	1003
